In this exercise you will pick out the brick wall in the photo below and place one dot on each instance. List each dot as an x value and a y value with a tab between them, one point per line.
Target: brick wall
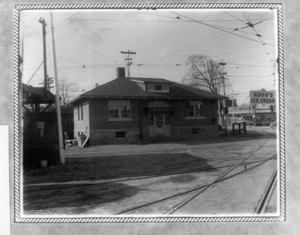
106	131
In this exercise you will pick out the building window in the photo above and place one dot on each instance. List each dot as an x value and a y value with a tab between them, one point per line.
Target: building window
119	109
152	87
80	113
120	134
194	109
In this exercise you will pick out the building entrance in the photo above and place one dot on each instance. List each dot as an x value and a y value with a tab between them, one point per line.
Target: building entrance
159	124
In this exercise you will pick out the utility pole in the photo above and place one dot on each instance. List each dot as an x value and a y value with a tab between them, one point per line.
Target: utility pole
128	58
43	22
222	63
60	137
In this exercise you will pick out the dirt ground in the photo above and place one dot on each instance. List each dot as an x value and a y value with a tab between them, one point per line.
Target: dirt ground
104	180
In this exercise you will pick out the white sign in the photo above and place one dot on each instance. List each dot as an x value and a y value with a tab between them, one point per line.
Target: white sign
262	97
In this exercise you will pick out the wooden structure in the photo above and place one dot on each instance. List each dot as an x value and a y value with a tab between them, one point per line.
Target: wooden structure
239	128
40	137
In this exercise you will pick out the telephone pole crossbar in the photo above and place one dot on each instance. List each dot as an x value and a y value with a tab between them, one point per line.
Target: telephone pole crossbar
128	58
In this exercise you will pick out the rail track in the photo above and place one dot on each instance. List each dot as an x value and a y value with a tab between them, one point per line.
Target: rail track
247	163
194	191
261	207
85	183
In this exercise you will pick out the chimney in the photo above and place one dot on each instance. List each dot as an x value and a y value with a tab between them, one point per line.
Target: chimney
120	72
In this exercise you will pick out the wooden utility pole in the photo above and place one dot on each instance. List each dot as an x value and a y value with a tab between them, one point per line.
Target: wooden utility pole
224	91
128	60
43	22
60	132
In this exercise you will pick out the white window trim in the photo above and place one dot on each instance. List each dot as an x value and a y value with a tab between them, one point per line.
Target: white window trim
195	117
119	118
80	115
151	87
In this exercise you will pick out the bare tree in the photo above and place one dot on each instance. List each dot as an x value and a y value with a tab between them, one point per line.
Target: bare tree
204	73
66	89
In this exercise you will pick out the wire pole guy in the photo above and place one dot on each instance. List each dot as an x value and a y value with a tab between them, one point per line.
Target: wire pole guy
128	58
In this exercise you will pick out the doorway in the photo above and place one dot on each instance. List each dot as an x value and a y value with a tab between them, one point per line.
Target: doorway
159	124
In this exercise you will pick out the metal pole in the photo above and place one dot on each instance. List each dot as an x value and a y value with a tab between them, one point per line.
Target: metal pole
60	134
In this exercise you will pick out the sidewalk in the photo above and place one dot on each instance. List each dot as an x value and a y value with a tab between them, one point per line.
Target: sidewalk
167	147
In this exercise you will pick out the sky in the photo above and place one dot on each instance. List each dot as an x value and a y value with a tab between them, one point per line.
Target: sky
89	44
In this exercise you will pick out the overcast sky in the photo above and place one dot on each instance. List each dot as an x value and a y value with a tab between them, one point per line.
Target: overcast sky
89	42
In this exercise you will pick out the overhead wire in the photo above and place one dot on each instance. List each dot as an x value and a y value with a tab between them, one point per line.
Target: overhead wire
99	38
79	43
250	76
66	18
234	17
35	72
257	34
249	65
218	28
154	21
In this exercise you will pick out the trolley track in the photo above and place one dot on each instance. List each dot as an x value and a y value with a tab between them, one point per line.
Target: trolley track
244	162
261	207
63	185
221	179
197	190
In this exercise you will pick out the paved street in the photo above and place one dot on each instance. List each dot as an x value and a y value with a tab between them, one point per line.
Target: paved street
109	179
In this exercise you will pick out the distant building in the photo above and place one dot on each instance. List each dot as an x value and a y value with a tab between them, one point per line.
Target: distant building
132	110
260	112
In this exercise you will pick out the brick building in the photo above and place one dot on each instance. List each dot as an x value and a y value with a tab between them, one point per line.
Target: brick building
133	110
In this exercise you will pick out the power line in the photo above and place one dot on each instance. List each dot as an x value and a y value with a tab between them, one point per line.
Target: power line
72	61
234	17
197	44
257	34
249	24
35	72
98	37
79	43
249	76
248	65
234	51
67	18
128	58
197	21
157	21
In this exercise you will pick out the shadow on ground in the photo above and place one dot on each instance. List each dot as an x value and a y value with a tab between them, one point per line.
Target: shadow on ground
74	200
108	167
81	198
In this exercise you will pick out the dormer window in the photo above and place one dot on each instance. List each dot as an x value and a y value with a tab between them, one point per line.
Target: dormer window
158	87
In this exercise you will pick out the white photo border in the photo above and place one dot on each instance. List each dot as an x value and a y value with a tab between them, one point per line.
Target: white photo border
148	219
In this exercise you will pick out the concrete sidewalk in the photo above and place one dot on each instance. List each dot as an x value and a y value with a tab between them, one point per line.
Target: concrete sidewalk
168	147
